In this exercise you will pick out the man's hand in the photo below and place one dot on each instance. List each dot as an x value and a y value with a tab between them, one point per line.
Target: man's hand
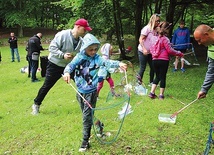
68	56
201	95
67	78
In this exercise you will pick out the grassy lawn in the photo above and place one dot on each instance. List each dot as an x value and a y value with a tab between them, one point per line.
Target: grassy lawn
58	128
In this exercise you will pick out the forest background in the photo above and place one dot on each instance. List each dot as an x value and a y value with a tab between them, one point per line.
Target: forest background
116	19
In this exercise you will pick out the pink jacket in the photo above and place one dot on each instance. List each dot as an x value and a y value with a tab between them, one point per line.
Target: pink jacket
165	49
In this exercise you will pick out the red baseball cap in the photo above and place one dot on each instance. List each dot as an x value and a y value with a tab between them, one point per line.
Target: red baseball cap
84	23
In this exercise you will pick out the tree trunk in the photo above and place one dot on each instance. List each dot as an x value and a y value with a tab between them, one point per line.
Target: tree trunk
138	25
119	28
20	30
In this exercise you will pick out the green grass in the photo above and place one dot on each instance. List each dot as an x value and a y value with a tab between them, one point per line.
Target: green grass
58	128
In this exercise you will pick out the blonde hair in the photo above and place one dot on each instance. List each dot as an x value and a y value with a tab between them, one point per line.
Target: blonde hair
152	21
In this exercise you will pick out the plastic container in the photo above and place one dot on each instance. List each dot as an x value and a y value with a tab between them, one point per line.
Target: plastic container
167	118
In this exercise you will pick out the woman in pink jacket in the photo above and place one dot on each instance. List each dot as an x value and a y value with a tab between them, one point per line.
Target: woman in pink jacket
161	51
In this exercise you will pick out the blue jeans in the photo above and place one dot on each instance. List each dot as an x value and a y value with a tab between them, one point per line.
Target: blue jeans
143	59
34	67
87	112
14	50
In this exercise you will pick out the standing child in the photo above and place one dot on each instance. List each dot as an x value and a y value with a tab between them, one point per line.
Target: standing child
106	51
181	41
161	51
85	66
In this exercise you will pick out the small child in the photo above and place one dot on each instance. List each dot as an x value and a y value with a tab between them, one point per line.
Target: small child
104	73
161	51
85	65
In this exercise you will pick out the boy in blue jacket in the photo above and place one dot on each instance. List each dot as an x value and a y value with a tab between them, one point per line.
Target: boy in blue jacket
180	41
85	66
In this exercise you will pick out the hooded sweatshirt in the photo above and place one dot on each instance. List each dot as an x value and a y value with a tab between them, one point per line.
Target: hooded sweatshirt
86	67
181	36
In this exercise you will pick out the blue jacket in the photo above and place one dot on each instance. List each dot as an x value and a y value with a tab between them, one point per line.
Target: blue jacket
181	36
86	67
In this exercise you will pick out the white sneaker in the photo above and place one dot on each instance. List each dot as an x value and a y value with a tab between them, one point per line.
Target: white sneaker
35	109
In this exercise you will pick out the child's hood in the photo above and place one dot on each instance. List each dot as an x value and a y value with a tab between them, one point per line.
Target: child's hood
88	40
105	49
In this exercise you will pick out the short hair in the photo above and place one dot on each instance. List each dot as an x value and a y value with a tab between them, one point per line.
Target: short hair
182	22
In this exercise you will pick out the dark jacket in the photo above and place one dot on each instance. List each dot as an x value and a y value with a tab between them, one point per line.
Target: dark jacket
13	42
34	45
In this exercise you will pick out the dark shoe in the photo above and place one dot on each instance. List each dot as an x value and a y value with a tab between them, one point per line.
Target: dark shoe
161	97
84	147
174	70
36	80
152	96
183	70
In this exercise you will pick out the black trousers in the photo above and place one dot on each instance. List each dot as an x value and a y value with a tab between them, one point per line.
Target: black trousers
53	74
160	68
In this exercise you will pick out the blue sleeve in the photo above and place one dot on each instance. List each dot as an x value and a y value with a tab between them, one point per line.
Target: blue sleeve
71	66
174	38
188	38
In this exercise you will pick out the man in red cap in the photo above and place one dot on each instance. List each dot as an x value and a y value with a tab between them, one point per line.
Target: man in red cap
63	48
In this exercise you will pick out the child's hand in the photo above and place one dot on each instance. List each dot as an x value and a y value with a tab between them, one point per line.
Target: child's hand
123	65
66	77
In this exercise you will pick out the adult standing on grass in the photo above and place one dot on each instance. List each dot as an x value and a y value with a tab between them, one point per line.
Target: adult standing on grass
204	35
86	65
34	48
62	50
145	42
13	47
180	41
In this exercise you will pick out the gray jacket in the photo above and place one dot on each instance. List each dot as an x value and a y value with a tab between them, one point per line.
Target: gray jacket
61	44
209	78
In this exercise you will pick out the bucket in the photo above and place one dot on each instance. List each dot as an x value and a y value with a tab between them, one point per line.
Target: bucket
167	118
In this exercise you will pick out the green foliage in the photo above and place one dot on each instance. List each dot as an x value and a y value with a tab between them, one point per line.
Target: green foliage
58	128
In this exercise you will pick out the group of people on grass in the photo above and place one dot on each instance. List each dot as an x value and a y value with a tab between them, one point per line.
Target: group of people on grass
73	55
153	39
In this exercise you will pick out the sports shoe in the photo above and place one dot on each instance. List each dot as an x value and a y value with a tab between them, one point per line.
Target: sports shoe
183	70
84	147
161	97
35	109
152	96
174	70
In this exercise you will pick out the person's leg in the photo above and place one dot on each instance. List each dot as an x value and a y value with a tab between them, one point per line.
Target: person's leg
182	60
176	63
53	74
151	73
34	64
156	79
17	54
142	63
99	87
87	112
29	65
163	72
12	54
